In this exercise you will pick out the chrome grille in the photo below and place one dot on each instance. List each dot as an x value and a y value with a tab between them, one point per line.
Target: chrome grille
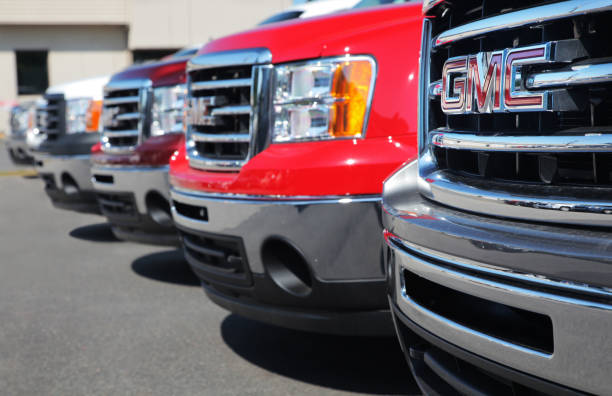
51	116
541	162
228	105
124	115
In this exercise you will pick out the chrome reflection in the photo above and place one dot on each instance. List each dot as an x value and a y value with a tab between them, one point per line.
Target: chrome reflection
586	142
579	74
522	18
452	191
534	279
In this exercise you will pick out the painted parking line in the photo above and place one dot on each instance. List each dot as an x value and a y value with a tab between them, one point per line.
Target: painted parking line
22	172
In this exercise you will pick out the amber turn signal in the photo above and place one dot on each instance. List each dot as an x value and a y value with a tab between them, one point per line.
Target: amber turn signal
93	116
351	89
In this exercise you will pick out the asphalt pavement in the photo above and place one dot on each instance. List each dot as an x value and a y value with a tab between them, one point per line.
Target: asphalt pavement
83	313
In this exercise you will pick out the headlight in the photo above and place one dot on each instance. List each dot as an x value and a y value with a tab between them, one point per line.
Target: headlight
82	115
323	99
19	121
167	111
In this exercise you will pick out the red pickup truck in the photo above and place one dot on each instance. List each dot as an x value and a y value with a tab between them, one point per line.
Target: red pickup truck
291	130
142	127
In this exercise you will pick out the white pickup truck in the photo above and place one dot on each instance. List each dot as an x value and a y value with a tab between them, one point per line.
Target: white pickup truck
68	125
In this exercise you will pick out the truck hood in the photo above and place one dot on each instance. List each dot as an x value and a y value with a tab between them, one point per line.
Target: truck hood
170	72
320	36
87	88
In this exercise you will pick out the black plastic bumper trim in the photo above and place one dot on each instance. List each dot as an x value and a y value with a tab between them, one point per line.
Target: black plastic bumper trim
359	323
152	237
83	201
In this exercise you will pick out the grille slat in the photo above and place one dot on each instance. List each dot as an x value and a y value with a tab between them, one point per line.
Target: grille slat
231	110
220	137
128	116
217	84
563	145
223	105
120	100
549	143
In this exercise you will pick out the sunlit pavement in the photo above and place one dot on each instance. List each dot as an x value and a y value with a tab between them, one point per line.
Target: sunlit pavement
83	313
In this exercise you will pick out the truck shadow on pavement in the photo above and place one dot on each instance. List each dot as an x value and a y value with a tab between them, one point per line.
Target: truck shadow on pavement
95	233
359	364
169	266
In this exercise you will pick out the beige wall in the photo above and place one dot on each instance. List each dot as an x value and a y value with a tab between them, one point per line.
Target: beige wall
86	38
168	24
75	52
59	12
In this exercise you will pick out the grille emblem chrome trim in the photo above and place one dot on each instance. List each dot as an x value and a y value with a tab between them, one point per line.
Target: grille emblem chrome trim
491	82
109	117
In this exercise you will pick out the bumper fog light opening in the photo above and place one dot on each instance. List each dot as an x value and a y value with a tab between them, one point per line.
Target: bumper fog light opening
159	209
287	267
69	185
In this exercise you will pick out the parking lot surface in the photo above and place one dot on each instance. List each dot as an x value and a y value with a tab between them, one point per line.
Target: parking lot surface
84	313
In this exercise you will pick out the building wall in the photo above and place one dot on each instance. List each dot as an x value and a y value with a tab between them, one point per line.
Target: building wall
168	24
61	12
75	52
86	38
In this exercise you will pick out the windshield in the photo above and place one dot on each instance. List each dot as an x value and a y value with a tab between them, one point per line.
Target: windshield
283	16
371	3
184	52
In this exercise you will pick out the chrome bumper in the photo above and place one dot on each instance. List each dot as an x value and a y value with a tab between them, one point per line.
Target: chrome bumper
339	237
139	180
559	273
19	148
75	166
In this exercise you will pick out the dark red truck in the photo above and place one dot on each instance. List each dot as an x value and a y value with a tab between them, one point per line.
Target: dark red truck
142	128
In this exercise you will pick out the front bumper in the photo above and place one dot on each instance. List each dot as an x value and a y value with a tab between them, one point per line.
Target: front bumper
135	200
531	303
19	151
67	181
310	264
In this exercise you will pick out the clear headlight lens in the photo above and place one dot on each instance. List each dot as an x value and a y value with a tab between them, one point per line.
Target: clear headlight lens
323	99
83	115
167	112
20	121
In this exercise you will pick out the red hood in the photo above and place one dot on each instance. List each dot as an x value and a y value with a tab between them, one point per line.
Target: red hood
320	36
160	73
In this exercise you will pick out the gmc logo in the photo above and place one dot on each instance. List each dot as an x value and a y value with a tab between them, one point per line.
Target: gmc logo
109	115
199	110
491	82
